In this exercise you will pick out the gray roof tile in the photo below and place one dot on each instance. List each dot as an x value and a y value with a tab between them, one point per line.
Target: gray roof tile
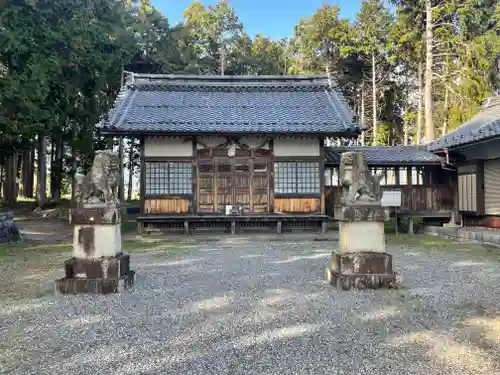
208	104
386	155
484	125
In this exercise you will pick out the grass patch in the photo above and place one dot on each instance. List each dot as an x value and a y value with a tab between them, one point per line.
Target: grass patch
30	249
157	248
419	241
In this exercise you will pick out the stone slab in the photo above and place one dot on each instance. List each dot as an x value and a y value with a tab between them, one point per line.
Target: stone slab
356	236
361	270
101	268
366	281
95	286
96	241
93	216
361	213
472	234
363	263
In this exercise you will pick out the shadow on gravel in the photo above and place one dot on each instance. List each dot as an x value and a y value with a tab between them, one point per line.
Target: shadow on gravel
264	308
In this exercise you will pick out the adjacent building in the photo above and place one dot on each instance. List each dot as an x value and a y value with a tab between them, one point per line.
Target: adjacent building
474	150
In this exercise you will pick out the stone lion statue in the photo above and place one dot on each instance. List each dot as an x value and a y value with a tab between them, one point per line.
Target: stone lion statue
359	185
100	184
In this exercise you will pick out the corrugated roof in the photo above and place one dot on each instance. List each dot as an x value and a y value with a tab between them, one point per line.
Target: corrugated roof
229	104
385	155
484	125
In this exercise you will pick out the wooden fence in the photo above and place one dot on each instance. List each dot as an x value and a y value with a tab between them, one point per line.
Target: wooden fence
421	200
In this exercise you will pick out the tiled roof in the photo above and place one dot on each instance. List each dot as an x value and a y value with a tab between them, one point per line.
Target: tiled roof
229	104
385	155
484	125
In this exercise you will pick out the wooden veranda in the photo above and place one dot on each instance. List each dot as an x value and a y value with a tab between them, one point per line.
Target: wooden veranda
427	190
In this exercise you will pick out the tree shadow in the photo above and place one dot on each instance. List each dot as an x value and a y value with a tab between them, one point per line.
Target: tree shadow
259	308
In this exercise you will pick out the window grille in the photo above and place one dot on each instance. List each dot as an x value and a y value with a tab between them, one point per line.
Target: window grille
168	178
295	177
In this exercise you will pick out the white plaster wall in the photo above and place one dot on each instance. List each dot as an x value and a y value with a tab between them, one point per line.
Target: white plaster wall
167	146
296	147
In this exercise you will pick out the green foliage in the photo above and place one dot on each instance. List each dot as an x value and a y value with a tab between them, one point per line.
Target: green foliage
61	63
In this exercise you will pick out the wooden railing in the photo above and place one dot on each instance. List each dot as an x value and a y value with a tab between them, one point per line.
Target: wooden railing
418	200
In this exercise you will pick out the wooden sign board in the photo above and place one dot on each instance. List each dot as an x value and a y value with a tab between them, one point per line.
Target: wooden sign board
391	198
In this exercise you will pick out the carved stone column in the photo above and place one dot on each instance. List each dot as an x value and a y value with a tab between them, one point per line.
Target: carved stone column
98	264
361	260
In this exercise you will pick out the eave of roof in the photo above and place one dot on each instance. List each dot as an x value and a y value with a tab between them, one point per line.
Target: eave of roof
386	155
484	126
180	104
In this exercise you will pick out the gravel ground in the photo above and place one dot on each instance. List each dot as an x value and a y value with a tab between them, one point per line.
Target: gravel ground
240	306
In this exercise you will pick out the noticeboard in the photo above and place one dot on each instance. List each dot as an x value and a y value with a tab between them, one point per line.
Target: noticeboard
391	198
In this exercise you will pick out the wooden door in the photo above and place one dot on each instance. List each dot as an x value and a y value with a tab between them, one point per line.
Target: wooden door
241	182
224	183
206	187
260	185
241	191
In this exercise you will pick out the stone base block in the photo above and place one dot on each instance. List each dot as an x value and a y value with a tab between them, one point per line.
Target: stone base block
361	212
95	286
362	270
356	236
105	267
97	240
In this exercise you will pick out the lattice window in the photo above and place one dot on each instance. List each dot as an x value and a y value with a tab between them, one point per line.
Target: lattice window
168	178
292	177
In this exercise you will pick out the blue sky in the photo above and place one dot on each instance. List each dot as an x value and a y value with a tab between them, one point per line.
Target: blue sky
273	18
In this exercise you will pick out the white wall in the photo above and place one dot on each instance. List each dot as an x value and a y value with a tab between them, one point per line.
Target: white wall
296	147
167	146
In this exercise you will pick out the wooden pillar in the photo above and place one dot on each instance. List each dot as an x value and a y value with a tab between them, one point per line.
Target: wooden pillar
195	192
270	204
142	184
322	174
409	177
121	188
397	182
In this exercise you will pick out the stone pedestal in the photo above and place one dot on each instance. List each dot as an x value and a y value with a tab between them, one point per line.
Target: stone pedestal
98	264
361	261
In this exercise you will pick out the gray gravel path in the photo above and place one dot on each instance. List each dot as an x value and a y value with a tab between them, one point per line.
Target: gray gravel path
258	307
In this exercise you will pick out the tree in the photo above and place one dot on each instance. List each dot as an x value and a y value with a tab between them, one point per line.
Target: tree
373	23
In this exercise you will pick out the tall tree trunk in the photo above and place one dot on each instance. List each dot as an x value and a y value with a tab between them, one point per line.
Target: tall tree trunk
42	171
58	168
25	170
121	188
2	168
31	175
130	169
73	173
419	104
11	181
445	107
363	111
429	125
374	100
405	128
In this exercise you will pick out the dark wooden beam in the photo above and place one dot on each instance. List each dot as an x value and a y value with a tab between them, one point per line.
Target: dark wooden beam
142	174
194	177
322	172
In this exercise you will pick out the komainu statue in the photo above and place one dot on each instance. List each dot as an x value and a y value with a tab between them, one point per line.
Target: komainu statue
100	184
359	185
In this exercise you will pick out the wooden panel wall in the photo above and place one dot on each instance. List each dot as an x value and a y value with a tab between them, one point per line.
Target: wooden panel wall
297	205
166	205
414	199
